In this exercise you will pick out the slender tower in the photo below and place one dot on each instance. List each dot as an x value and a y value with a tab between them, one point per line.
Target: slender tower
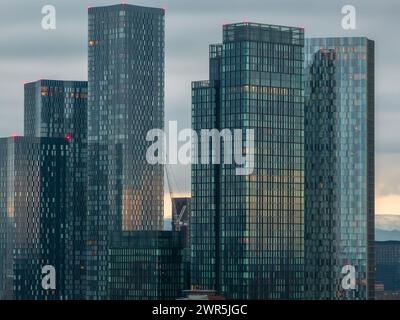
126	100
339	171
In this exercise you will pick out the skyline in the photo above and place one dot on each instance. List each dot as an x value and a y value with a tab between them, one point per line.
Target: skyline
181	50
292	218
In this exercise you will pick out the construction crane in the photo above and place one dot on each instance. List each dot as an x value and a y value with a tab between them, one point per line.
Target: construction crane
177	221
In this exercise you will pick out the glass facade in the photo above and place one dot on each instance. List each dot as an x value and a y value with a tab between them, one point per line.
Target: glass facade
32	215
388	265
339	171
147	265
6	226
126	100
247	231
58	109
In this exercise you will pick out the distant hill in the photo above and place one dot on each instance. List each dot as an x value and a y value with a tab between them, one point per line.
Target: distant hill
385	235
387	227
387	222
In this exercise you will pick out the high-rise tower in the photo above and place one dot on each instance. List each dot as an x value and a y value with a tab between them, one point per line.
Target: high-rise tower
126	100
247	231
32	216
57	109
339	170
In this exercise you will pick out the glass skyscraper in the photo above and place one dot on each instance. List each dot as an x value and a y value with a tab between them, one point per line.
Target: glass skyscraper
58	109
339	166
247	231
126	100
32	216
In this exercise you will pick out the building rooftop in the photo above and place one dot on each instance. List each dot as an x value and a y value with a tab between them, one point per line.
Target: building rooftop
125	6
250	31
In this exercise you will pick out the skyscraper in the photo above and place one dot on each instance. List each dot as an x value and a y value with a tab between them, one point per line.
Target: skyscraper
247	231
126	100
339	171
58	109
32	216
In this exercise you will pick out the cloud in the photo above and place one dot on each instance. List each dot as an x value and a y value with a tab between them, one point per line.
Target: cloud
388	175
387	222
388	205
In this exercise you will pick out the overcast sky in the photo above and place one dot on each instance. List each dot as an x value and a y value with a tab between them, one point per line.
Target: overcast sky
28	53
